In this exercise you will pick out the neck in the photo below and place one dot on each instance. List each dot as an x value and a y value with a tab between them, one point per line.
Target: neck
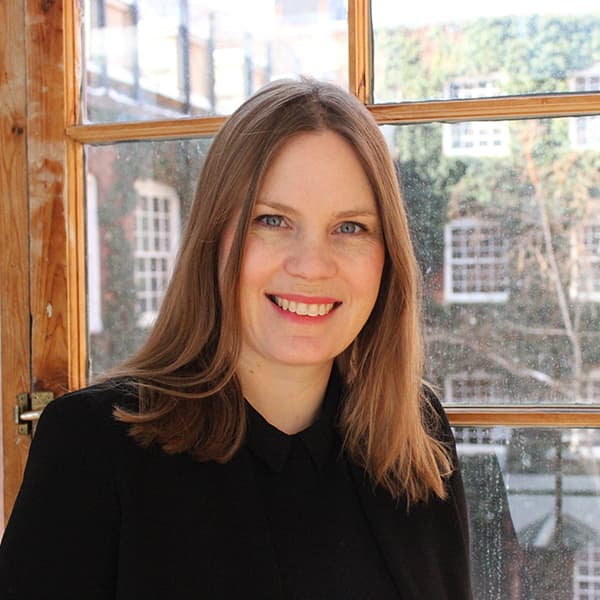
289	398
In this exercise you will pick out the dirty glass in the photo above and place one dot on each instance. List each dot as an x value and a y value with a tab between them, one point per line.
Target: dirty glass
534	510
150	59
451	50
505	218
138	196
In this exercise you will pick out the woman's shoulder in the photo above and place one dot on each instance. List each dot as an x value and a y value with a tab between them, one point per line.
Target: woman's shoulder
91	407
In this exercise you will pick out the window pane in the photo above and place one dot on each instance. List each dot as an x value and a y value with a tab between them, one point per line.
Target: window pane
509	245
534	511
459	49
138	196
150	59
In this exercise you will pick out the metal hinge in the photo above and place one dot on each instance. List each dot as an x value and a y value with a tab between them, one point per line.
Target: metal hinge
29	409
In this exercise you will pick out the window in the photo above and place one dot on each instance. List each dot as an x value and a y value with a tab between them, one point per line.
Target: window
475	262
482	87
482	138
584	132
156	240
484	439
585	244
586	573
476	95
475	388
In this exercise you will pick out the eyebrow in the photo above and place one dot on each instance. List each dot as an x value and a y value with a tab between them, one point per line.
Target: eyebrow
344	214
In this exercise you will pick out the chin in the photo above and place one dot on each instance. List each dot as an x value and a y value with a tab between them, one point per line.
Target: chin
305	359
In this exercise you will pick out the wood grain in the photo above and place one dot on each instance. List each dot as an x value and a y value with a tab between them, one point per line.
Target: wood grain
513	107
75	202
111	133
557	105
360	50
46	164
524	417
14	256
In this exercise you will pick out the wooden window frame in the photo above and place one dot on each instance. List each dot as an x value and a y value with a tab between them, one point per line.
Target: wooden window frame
42	274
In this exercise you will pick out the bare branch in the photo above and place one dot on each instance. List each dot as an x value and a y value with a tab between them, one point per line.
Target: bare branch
554	271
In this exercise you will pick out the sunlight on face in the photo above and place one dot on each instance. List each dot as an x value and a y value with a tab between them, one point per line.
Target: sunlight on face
313	257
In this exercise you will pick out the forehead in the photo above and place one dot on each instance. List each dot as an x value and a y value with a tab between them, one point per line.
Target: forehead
315	166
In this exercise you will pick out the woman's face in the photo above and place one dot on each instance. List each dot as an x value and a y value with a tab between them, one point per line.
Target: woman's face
313	257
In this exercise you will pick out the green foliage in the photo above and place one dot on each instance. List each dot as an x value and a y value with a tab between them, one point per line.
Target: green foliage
541	176
174	163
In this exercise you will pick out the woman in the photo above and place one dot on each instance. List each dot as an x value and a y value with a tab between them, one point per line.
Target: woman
272	438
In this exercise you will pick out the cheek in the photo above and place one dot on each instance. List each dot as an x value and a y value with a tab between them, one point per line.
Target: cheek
372	274
373	267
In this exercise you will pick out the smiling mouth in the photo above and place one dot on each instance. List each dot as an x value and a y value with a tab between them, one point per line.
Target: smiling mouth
303	308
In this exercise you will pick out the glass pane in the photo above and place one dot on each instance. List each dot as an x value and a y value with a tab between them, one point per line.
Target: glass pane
534	511
138	196
150	59
462	49
505	218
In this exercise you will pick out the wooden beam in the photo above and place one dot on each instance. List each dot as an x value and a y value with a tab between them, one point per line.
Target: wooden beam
75	204
518	416
360	50
484	109
111	133
44	34
14	257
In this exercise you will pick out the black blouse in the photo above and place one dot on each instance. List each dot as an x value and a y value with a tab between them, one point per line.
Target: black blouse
100	518
323	544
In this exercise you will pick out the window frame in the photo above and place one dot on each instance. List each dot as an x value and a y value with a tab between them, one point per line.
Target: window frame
360	56
475	226
152	191
48	332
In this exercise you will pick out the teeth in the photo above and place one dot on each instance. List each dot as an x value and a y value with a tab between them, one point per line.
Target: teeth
302	308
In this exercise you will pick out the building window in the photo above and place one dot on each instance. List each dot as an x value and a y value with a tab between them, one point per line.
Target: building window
586	573
584	132
475	138
475	262
157	226
490	437
585	253
476	388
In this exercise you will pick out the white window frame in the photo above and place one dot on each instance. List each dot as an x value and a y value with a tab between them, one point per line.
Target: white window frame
478	263
486	439
150	284
475	138
586	573
584	132
490	382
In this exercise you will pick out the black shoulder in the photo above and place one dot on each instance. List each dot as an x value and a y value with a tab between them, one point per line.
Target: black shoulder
95	401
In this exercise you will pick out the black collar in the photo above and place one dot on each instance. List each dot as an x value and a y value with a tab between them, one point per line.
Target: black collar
273	446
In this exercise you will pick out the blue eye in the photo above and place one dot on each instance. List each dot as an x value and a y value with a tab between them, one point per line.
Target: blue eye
271	220
351	227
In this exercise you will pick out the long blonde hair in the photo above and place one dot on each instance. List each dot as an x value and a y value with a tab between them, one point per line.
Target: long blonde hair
189	396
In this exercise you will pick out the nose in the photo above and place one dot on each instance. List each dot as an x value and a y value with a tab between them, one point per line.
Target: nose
311	258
